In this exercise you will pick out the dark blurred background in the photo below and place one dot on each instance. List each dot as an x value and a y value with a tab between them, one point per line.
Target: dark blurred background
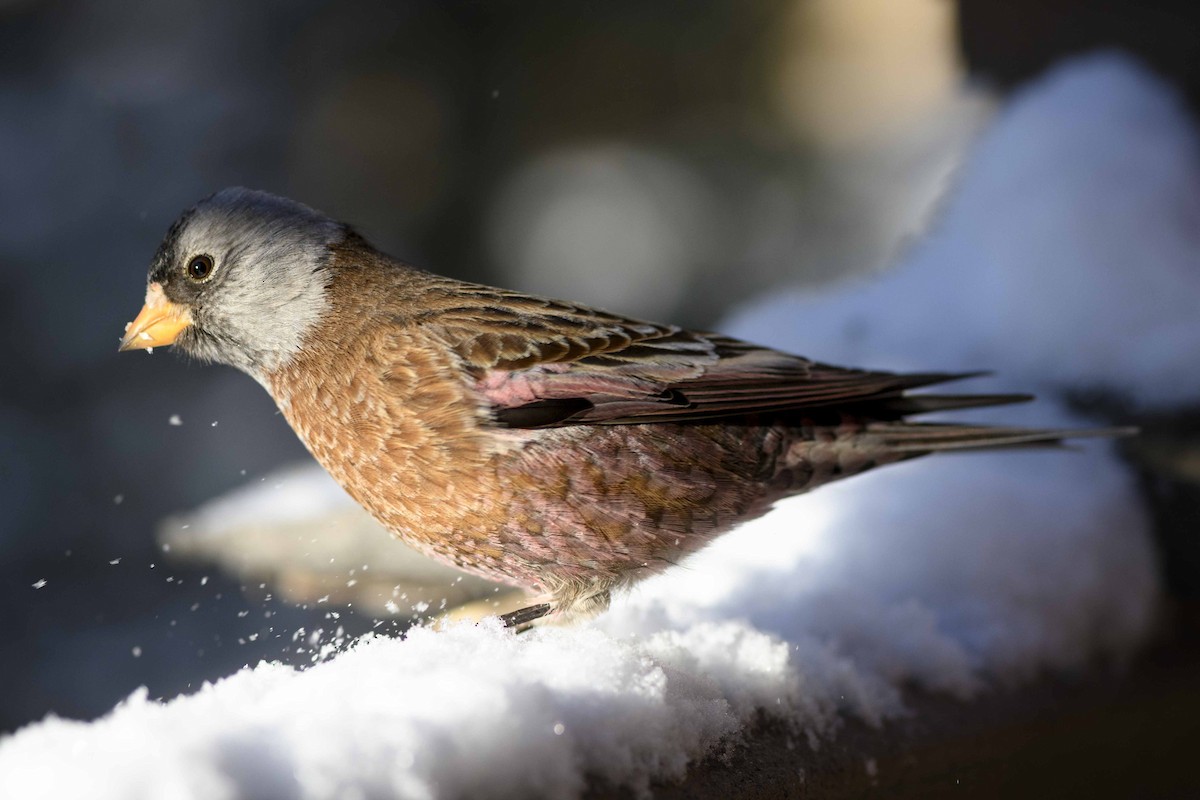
664	159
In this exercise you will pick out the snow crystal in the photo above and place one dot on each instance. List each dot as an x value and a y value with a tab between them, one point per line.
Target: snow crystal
1063	258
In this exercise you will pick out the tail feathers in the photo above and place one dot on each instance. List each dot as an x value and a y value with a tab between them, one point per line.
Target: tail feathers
931	437
907	404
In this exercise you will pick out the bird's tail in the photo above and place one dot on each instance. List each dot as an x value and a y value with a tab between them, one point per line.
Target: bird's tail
917	438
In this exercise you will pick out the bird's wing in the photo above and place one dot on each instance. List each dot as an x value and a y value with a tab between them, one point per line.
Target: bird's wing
540	362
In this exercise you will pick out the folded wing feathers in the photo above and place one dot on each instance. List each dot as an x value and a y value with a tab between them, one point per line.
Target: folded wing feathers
678	375
545	363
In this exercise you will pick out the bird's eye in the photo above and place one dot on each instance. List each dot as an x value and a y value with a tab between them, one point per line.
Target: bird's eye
200	267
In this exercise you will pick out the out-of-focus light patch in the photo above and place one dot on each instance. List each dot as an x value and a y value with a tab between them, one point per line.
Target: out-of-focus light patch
617	227
859	72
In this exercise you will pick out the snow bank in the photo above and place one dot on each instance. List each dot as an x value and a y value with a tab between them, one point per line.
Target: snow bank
1065	258
1068	254
469	712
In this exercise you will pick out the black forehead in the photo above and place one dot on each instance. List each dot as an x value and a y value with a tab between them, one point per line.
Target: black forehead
167	255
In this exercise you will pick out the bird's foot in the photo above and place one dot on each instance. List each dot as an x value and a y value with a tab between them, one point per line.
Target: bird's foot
522	619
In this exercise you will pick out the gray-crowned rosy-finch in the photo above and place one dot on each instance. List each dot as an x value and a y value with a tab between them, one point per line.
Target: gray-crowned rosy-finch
541	443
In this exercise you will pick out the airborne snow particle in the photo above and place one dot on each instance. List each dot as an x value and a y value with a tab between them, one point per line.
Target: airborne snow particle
39	583
175	420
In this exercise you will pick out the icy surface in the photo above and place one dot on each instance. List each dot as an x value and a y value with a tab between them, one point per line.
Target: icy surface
1063	259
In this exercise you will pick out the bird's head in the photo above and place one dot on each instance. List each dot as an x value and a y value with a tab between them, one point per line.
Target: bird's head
240	279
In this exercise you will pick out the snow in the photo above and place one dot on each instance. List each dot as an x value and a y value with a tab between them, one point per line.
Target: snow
1067	256
1063	259
291	495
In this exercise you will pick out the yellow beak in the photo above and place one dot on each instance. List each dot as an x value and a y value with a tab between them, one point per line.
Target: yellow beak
157	324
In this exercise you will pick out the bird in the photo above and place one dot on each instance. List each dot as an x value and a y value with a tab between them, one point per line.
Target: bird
546	444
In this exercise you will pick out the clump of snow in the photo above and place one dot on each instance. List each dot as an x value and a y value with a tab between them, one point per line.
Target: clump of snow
465	712
950	573
1068	254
